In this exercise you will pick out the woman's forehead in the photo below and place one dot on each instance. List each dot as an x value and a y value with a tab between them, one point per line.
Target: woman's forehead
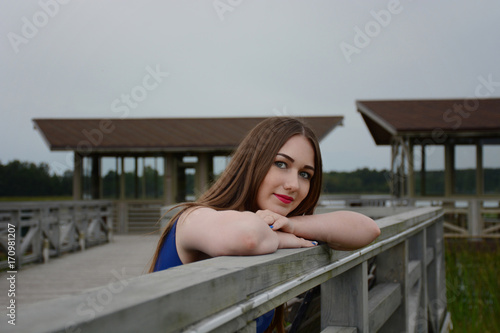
299	148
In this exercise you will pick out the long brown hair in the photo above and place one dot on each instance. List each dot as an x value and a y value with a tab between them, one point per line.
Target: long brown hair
237	186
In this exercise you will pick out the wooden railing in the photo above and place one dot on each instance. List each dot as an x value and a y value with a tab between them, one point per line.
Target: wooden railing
137	216
467	217
44	229
226	294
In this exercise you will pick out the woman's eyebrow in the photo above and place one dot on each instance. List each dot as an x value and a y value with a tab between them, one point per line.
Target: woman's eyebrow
292	160
287	157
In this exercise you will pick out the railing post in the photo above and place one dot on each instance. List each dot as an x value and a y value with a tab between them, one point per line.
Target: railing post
344	300
418	289
474	219
46	251
109	222
392	267
436	284
122	215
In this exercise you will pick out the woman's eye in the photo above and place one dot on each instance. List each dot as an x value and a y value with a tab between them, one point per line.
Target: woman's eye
281	165
305	175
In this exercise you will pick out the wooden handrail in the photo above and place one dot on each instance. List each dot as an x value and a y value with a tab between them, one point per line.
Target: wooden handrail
63	226
226	294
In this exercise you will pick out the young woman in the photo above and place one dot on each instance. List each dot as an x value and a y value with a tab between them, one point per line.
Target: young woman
262	202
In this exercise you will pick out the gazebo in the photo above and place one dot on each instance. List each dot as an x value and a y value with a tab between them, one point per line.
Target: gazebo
150	159
451	133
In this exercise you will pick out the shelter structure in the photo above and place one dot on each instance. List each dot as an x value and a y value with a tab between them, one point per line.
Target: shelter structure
151	159
448	149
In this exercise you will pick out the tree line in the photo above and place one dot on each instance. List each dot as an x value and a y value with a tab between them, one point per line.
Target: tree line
28	179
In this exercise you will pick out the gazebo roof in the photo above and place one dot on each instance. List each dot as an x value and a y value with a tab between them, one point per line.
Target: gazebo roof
158	134
471	118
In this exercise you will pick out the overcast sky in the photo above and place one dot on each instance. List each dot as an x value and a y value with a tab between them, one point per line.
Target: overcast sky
228	58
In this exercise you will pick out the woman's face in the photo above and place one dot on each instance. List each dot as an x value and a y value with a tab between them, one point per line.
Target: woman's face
287	182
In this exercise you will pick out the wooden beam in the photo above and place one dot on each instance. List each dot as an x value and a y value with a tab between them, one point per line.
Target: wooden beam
77	177
479	169
449	169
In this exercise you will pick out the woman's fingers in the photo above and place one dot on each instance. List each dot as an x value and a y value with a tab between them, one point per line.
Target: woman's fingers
275	221
266	215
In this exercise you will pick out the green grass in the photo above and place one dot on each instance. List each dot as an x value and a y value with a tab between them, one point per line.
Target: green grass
473	285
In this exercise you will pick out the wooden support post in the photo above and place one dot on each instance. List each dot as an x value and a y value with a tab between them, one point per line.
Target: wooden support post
402	172
418	299
449	169
411	170
122	178
143	178
117	178
394	175
392	267
423	173
122	214
46	251
436	284
170	178
81	240
474	218
136	179
202	173
77	177
344	300
479	169
95	184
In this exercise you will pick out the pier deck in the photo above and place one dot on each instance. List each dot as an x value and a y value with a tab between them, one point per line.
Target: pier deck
125	257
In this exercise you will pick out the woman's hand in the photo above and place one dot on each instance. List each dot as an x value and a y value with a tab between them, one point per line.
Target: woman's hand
290	241
276	221
283	226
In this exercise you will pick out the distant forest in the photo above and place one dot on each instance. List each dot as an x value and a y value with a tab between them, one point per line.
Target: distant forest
19	179
22	179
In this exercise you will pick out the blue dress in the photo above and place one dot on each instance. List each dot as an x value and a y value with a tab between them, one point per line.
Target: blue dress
169	257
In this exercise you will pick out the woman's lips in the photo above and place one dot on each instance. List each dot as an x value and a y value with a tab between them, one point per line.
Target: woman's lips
284	198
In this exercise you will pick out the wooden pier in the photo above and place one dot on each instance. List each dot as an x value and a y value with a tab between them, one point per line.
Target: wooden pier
226	294
125	257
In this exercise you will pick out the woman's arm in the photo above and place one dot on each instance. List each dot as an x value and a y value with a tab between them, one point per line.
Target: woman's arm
341	230
205	232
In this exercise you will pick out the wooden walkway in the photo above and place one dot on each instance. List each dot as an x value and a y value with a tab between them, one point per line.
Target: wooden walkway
125	257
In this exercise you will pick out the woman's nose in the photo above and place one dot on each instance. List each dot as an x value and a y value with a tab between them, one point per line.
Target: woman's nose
291	183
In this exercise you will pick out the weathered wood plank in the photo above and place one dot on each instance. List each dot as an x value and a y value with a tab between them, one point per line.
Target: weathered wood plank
414	272
336	329
384	299
222	294
351	290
